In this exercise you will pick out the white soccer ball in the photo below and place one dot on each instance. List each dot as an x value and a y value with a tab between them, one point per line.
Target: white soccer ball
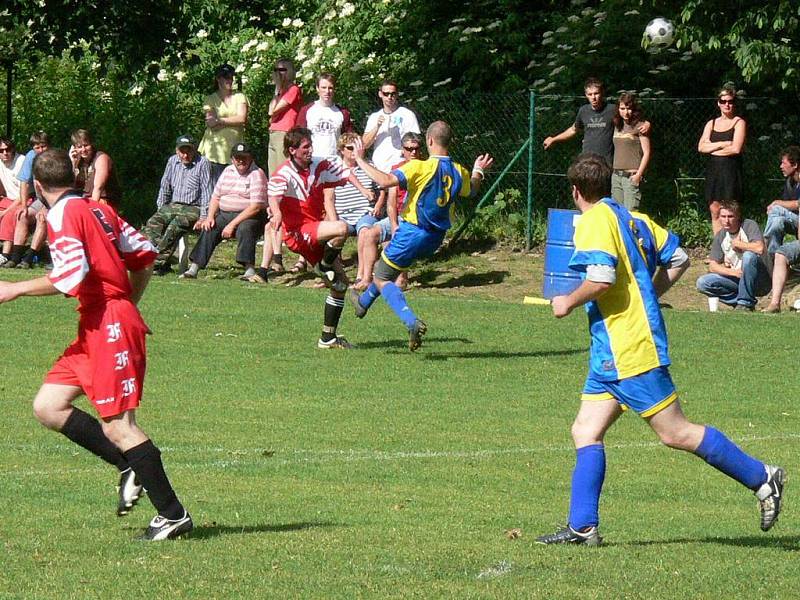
659	34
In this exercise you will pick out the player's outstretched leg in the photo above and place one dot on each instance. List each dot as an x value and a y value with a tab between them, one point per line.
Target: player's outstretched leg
144	457
717	450
53	408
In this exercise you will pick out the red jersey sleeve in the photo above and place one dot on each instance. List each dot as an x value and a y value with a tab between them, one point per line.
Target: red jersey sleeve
68	254
277	186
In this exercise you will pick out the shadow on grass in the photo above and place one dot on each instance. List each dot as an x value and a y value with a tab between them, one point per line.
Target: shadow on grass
466	280
790	543
500	354
211	530
404	343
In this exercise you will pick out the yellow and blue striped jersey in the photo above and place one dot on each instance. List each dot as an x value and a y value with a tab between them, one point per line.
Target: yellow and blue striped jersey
432	185
628	335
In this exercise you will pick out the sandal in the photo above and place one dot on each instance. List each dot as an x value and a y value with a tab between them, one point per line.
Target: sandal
299	267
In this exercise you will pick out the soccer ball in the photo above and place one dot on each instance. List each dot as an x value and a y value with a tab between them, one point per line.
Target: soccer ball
658	34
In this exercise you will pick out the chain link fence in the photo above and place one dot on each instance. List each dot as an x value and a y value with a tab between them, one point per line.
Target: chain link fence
511	127
505	124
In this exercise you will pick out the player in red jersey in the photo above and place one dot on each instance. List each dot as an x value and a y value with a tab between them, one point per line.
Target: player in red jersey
296	203
106	264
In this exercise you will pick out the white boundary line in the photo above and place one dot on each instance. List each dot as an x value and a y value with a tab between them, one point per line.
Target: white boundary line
299	456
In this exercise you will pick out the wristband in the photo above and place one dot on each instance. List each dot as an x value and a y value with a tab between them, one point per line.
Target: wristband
479	171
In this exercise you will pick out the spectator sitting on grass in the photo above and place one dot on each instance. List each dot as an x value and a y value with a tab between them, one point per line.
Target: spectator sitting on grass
237	208
738	273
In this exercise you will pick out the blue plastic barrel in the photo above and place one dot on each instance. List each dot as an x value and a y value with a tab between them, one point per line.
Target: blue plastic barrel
559	279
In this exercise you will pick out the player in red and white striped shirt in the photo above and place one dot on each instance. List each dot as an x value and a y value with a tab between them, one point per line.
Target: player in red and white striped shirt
106	264
296	202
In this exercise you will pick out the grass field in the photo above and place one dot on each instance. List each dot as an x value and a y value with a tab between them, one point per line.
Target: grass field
380	473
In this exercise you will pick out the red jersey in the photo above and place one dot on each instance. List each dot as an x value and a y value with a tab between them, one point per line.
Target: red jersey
93	249
299	193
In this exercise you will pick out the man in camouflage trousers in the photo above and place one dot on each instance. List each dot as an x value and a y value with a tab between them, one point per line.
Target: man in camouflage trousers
182	200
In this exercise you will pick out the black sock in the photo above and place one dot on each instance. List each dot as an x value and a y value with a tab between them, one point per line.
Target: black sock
87	432
29	254
145	460
277	259
263	273
329	255
333	312
17	252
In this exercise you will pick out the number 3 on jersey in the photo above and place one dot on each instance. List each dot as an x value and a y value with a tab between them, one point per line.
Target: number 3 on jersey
447	183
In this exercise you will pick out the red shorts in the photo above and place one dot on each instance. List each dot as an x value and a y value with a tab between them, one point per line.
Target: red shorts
108	359
304	242
8	221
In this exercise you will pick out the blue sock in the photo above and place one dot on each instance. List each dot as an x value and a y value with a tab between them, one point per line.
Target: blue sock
369	296
587	483
722	454
397	302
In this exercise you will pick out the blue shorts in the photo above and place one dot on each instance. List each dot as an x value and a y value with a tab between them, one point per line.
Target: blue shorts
647	393
410	243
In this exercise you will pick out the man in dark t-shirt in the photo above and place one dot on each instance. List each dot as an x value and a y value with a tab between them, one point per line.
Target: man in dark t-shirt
596	121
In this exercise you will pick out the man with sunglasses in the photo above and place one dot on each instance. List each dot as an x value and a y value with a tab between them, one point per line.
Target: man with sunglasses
10	167
386	127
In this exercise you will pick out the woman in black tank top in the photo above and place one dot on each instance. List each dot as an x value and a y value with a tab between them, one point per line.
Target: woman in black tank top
723	140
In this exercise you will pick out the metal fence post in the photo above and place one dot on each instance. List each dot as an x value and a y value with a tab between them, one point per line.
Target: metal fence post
531	133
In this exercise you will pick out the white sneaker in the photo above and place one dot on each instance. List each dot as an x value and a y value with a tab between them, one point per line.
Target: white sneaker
161	528
130	490
770	496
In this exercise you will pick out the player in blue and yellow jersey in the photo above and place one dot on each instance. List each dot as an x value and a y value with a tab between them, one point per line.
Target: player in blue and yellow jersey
432	186
627	261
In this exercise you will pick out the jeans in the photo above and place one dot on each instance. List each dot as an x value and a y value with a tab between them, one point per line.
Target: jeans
755	281
780	221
